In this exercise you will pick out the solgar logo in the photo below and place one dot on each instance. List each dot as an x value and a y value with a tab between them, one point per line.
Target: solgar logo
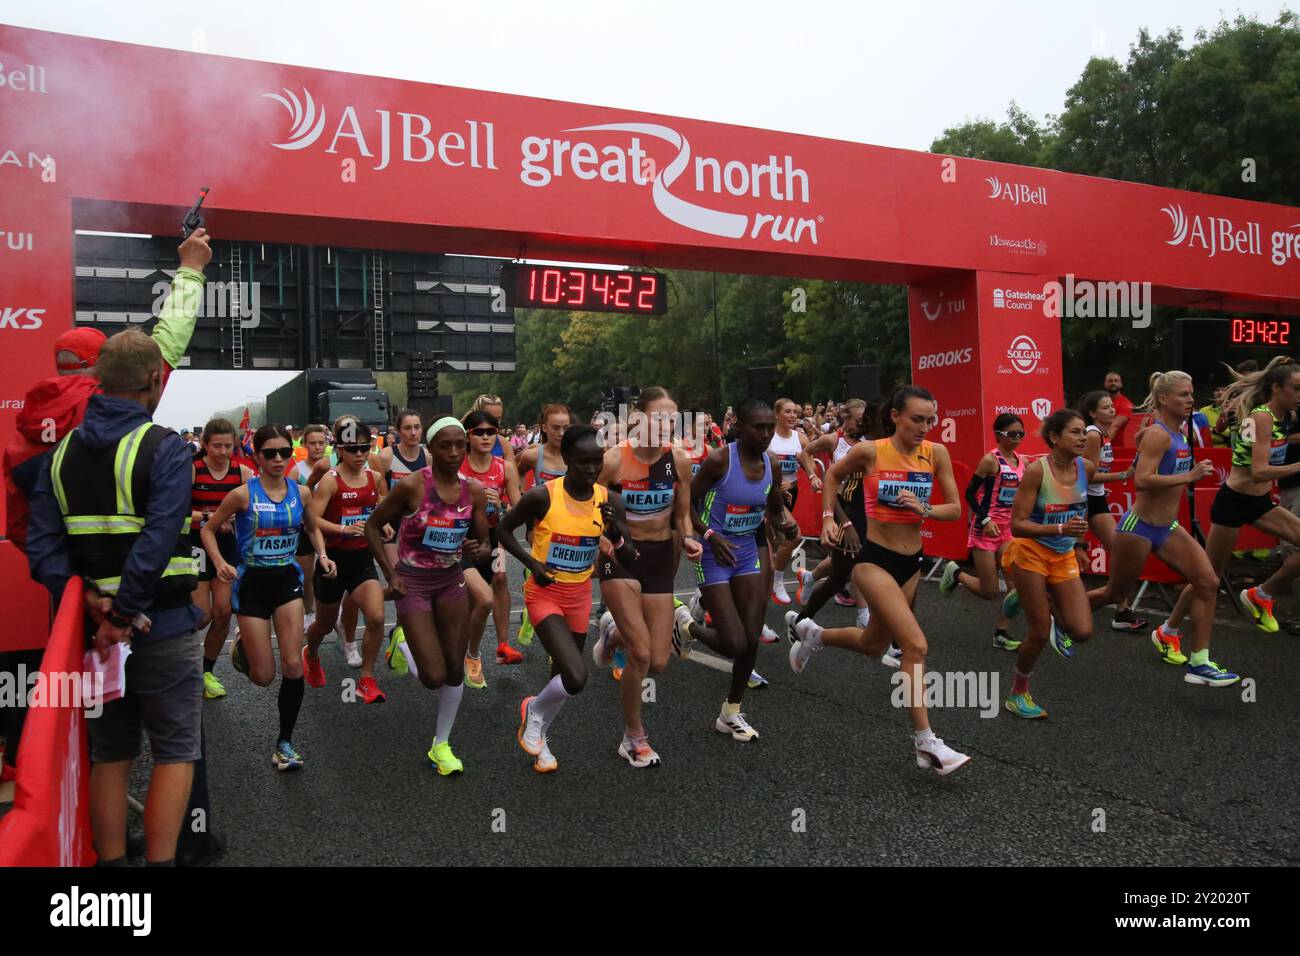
945	359
1016	193
1024	354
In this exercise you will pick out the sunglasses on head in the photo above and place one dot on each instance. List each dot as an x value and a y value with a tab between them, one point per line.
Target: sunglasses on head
483	432
354	449
277	452
1013	436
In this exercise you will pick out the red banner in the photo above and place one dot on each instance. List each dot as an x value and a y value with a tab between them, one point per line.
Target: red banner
49	824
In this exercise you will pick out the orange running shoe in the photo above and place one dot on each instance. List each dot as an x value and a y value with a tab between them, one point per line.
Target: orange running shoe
370	692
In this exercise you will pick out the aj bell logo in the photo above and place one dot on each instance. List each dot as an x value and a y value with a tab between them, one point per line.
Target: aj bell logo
1016	193
23	319
544	159
1216	234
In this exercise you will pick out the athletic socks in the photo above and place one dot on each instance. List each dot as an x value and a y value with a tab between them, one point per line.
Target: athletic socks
1171	631
923	736
730	709
550	700
1019	683
1259	589
1197	658
289	701
448	704
208	664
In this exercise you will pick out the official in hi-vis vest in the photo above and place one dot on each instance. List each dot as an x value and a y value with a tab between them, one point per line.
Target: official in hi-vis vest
112	505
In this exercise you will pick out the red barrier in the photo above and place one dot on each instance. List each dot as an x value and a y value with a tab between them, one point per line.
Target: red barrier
49	824
27	614
947	539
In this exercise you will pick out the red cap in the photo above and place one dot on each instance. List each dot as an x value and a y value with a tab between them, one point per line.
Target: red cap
84	343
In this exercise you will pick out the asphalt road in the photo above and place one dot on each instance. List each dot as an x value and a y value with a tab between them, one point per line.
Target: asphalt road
1178	774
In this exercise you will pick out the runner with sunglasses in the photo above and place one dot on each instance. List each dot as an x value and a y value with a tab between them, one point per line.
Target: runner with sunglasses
267	586
485	574
990	493
342	504
443	516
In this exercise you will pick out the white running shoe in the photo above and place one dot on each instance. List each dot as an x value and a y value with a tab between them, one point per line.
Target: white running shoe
791	622
808	642
935	754
806	584
601	651
546	762
864	617
308	620
769	636
352	652
682	639
893	657
779	594
638	752
736	725
696	607
531	725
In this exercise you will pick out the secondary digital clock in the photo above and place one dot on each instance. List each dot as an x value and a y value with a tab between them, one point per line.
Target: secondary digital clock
1260	332
578	289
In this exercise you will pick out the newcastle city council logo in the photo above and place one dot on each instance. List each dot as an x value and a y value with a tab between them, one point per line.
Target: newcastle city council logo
306	125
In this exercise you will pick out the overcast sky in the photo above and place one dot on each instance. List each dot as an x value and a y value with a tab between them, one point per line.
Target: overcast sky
892	75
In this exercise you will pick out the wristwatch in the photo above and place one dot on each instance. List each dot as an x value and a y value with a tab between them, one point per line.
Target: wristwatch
925	505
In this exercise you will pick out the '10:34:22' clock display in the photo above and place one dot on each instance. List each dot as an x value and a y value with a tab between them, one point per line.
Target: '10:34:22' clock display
584	290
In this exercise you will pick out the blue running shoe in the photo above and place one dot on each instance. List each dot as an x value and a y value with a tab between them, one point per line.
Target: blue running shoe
1060	641
1022	705
618	663
285	757
1210	674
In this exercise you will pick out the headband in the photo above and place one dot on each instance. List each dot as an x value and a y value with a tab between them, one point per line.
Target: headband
440	424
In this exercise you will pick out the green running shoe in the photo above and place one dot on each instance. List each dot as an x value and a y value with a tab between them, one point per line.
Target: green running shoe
444	761
1011	604
212	688
948	583
525	635
1005	643
1022	705
394	655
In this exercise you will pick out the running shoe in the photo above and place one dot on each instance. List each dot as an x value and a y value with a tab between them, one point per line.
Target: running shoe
525	635
1210	674
602	651
768	636
396	653
444	761
806	584
508	655
1011	604
1005	642
285	757
638	752
370	692
708	619
619	662
682	639
696	607
352	652
937	755
845	599
1060	641
237	659
530	729
312	669
212	688
864	617
1168	645
807	641
1126	620
736	725
791	623
1022	705
756	681
948	583
1261	609
546	762
780	595
893	656
474	672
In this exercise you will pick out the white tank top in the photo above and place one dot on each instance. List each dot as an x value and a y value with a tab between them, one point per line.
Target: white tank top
842	448
787	453
1107	459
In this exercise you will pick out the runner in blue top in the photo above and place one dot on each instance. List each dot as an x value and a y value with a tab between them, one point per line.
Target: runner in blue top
731	495
1164	468
267	585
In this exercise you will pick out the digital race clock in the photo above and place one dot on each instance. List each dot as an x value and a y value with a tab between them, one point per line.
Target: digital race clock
1259	332
578	289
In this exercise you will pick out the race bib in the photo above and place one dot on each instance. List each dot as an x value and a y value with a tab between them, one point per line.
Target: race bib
742	519
789	465
647	497
1182	461
444	535
355	515
1277	452
274	542
571	552
1008	488
695	468
1061	513
894	483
